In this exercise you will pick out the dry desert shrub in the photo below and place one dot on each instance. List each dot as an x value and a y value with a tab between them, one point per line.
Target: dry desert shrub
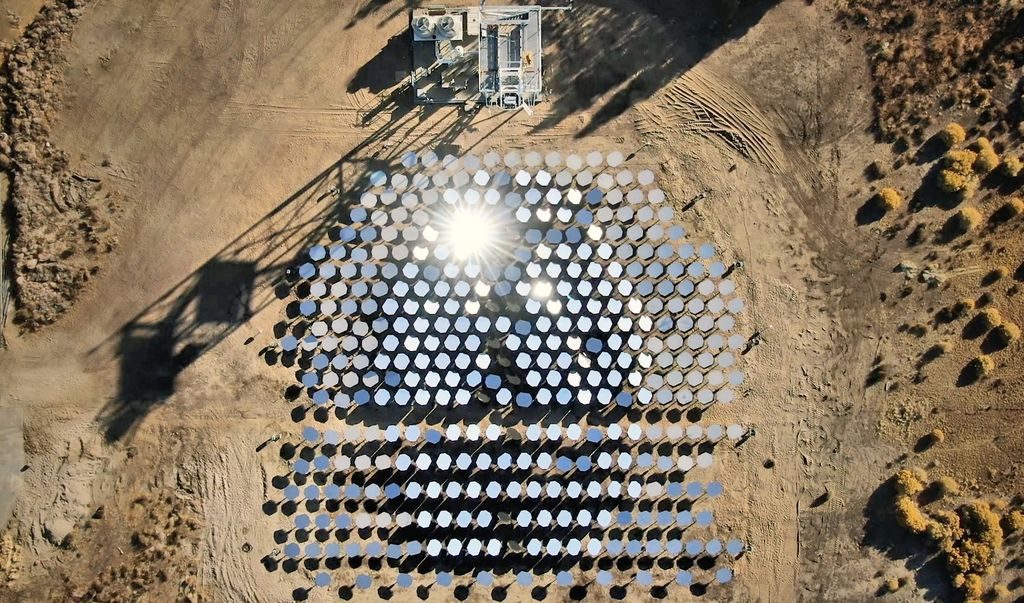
953	135
936	351
966	556
944	528
888	199
996	274
908	482
987	159
891	585
909	515
1013	522
961	161
980	367
1000	594
1010	210
962	307
964	186
989	318
918	330
972	587
957	174
970	49
965	220
1005	334
947	486
971	549
1011	166
982	523
937	436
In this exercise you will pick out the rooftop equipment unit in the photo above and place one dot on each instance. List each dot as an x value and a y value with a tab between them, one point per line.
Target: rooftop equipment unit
434	28
444	27
423	28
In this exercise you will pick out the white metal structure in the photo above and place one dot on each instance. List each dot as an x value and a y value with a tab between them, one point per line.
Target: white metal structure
490	55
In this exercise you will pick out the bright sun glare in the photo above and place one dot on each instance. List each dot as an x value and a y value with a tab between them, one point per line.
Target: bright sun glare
471	233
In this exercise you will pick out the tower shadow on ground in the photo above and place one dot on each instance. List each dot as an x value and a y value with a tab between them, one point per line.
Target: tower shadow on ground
176	329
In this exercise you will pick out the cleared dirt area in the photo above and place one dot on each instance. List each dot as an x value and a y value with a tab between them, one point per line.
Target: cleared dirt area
204	137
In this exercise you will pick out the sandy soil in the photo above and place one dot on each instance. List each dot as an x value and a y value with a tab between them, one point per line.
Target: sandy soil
17	15
221	124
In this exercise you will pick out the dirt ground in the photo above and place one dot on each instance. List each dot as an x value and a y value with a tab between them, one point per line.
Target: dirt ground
218	126
17	15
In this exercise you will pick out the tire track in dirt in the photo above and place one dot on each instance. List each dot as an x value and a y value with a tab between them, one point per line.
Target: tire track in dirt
290	119
701	104
275	108
228	480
